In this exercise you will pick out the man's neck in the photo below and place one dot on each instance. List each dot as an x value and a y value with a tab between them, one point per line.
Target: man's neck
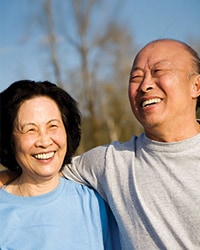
174	134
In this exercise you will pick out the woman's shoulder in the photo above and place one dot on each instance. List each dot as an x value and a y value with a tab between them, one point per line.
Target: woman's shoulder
72	185
79	193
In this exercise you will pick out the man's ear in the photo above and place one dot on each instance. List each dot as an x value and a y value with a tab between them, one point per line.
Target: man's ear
196	87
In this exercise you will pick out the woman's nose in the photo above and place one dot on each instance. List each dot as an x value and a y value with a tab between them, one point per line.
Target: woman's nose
44	140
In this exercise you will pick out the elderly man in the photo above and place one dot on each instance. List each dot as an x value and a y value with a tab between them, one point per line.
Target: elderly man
152	182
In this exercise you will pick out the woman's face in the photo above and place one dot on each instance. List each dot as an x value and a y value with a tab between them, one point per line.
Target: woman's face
40	138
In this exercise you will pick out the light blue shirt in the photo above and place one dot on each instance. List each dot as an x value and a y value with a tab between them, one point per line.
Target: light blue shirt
70	217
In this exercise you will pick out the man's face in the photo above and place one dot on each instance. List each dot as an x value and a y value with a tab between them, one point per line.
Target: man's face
160	87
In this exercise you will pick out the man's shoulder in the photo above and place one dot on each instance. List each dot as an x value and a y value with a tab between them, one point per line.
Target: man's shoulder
130	144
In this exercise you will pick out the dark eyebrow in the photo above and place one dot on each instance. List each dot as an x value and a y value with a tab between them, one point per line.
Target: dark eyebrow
28	124
53	120
21	128
33	124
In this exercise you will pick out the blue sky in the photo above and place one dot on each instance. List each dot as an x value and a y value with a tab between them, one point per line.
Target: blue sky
20	56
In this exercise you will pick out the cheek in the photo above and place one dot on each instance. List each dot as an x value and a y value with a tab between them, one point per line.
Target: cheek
60	138
22	148
132	90
23	143
175	91
171	83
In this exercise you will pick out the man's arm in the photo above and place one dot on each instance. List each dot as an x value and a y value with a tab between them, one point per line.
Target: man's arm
73	171
6	176
88	168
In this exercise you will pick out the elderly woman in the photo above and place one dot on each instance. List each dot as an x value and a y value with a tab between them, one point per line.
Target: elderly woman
39	133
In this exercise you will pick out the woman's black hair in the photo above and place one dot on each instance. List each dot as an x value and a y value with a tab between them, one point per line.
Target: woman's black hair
10	101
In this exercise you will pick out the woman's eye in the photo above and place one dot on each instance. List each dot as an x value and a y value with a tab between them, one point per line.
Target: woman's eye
29	130
53	126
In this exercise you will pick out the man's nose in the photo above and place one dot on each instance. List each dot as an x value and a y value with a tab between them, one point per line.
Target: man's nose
147	83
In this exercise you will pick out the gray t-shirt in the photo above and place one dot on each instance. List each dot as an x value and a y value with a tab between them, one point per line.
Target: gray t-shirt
153	189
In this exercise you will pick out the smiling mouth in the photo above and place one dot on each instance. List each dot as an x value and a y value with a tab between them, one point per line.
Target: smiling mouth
44	156
150	102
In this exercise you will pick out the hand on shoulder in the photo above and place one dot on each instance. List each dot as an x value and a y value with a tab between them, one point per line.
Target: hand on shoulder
6	176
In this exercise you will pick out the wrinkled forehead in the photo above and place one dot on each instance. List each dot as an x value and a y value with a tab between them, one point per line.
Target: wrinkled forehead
169	51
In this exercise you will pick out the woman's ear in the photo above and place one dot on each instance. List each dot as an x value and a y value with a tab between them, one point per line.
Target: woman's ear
196	86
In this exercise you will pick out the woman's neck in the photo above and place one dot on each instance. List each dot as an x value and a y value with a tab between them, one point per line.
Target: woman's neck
24	186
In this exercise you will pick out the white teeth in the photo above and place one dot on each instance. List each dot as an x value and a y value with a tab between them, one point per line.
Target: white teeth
151	101
44	156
